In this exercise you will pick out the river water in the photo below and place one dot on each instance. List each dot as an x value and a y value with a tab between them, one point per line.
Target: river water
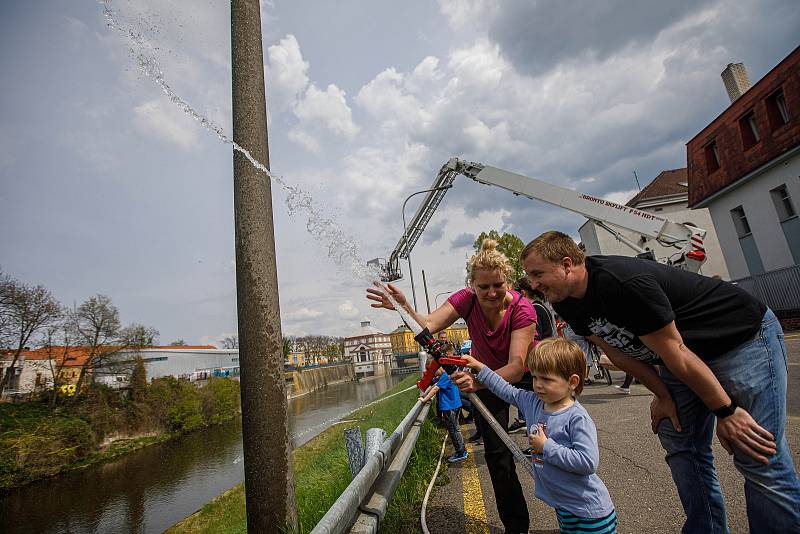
151	489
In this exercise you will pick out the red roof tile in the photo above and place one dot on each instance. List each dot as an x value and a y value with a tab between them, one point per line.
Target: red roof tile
666	184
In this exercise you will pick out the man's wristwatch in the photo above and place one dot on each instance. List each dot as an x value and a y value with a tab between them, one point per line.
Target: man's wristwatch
726	411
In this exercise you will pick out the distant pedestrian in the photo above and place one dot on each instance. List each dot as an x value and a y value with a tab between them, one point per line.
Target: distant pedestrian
449	401
545	322
625	388
708	350
562	435
584	344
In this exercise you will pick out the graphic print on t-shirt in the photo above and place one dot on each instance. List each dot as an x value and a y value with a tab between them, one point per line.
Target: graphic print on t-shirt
623	340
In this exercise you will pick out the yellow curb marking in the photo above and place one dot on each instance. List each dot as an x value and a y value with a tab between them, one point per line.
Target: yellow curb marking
474	510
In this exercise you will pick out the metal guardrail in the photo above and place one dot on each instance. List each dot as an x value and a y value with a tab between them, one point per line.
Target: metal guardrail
778	289
377	480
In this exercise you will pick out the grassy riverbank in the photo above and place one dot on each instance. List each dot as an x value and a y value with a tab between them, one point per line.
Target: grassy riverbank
37	441
321	474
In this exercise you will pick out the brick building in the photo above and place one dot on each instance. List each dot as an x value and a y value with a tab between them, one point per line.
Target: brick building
745	168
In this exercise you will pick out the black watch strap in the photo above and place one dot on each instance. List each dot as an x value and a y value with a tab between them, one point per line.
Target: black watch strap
726	411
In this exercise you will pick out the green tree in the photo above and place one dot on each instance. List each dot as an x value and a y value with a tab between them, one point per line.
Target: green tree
139	381
287	347
510	245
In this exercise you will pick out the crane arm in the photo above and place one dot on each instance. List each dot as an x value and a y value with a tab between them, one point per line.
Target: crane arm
601	211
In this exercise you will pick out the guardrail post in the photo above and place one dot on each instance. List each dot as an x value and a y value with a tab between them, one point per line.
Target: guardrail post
375	438
355	450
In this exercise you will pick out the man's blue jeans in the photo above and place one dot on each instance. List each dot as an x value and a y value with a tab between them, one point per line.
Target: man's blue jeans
754	374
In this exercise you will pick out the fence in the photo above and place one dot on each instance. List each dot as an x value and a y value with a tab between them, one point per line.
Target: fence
363	504
778	289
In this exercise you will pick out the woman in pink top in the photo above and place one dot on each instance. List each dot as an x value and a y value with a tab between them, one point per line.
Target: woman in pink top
501	324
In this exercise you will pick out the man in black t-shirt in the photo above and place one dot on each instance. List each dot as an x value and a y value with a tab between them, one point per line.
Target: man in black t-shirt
705	348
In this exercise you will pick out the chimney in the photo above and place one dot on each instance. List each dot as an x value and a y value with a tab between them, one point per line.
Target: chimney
364	324
736	80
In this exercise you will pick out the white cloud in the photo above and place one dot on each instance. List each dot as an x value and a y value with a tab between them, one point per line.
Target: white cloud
286	72
327	108
478	68
373	174
304	139
388	99
320	116
348	311
162	119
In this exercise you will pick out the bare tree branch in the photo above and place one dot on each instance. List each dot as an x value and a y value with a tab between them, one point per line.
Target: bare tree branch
24	310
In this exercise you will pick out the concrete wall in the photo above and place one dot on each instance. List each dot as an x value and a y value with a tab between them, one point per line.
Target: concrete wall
755	199
307	380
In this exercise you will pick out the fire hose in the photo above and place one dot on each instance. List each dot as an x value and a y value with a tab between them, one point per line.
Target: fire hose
436	349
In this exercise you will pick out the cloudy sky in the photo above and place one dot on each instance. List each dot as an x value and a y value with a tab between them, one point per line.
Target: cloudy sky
108	187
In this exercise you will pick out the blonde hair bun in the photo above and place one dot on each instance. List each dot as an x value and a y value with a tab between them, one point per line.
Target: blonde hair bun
488	245
490	259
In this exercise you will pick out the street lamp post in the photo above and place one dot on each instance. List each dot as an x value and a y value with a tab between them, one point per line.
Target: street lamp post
405	237
436	298
266	444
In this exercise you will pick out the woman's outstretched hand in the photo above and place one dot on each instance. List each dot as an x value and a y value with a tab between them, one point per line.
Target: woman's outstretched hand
380	298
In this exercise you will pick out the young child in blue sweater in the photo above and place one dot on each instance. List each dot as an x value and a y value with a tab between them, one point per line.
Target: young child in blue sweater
562	435
449	402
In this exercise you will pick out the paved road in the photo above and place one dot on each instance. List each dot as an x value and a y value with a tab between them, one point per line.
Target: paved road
631	465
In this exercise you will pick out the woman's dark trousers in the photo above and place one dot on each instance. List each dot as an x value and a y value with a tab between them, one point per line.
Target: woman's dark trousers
508	494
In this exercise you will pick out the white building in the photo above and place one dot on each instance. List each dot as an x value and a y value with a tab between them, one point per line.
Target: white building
370	351
668	196
31	374
192	363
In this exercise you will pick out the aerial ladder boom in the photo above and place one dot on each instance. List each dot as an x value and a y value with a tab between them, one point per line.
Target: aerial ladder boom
604	213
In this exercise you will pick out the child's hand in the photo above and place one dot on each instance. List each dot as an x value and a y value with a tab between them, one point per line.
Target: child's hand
537	438
472	363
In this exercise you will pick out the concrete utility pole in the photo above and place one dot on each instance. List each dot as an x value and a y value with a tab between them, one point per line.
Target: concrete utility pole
269	483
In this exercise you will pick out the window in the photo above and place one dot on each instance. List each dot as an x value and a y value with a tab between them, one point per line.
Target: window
749	131
740	221
783	203
712	157
777	111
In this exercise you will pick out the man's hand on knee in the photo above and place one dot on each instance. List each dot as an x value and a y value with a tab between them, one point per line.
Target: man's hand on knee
741	431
